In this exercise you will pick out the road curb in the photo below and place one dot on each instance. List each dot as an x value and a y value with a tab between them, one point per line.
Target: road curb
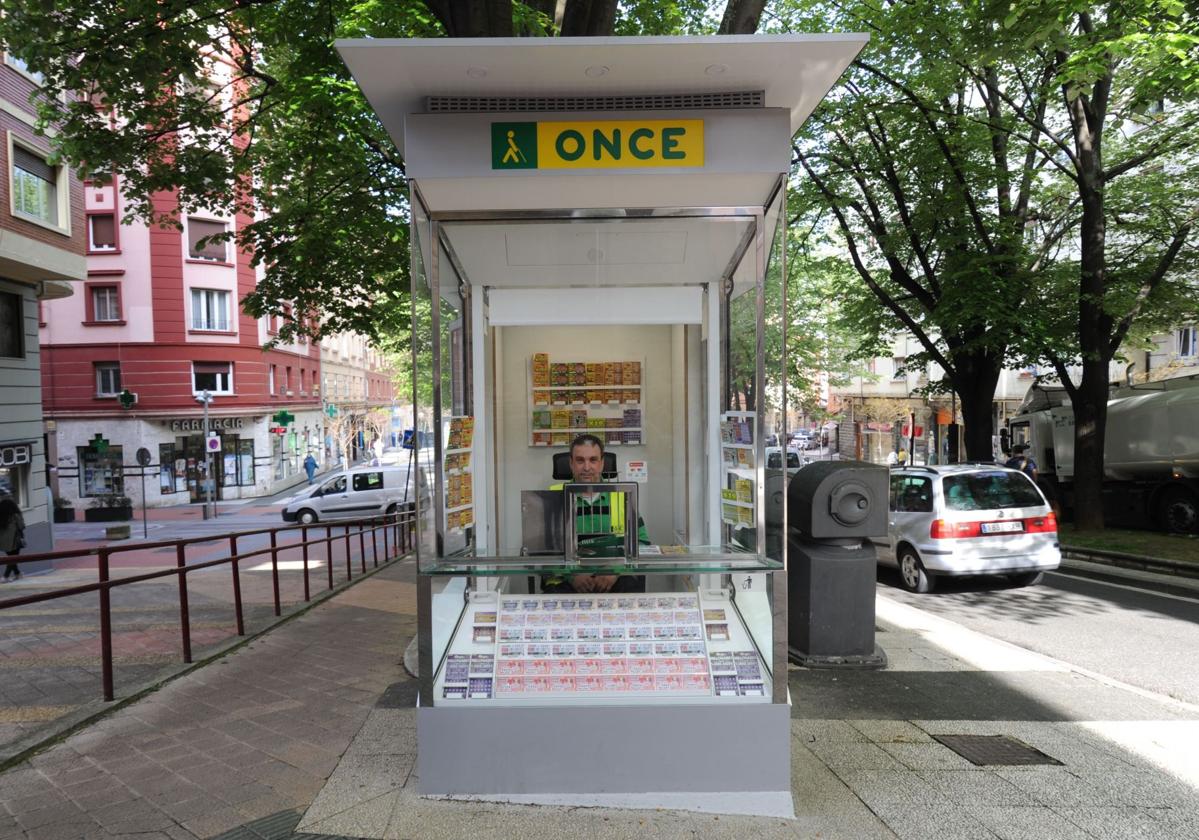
1139	562
58	730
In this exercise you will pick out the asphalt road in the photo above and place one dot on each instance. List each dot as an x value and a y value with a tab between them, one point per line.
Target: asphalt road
1142	638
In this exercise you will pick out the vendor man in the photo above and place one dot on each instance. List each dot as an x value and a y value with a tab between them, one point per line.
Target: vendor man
599	522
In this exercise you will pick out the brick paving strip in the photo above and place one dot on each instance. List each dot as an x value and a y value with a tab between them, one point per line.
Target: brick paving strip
50	651
253	735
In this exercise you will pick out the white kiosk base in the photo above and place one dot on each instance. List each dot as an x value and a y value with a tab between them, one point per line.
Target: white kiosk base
733	760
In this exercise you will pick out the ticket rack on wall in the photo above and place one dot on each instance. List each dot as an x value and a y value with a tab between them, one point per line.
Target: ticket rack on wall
596	249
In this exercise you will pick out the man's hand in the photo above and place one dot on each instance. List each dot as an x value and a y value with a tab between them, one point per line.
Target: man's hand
593	583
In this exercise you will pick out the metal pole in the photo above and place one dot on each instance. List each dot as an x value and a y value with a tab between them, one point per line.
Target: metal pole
208	477
145	533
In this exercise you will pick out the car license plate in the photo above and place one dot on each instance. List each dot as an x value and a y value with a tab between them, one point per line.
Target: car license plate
1002	527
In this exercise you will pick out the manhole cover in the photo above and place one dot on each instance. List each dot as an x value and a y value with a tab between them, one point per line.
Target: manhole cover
986	750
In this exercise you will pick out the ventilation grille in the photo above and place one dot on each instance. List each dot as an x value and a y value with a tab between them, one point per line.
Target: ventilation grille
648	102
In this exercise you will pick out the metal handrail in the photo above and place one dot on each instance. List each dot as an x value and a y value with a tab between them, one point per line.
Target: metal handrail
397	531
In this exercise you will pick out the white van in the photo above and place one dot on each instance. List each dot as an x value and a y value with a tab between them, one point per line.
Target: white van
353	494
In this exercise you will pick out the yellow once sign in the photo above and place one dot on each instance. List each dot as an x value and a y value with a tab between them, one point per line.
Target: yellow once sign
620	144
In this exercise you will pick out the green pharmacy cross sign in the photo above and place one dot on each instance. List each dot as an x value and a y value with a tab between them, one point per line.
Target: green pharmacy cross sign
127	398
331	410
99	443
283	418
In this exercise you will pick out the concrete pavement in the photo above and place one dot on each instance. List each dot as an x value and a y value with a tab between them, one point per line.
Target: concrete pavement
309	730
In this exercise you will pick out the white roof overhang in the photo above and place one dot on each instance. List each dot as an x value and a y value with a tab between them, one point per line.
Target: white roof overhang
485	79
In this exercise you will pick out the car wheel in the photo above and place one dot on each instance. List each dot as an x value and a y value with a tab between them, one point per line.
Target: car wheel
911	571
391	509
306	517
1026	578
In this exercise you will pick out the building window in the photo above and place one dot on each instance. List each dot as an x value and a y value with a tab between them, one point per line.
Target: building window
270	379
106	303
15	461
23	68
108	379
303	382
287	381
897	373
12	325
216	378
208	249
100	471
101	232
34	187
1187	342
210	310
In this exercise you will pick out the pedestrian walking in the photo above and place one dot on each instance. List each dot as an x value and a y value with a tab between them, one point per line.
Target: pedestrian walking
12	532
310	467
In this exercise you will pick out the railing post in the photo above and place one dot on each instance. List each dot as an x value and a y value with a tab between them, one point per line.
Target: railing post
105	627
329	553
304	544
362	546
349	568
241	624
275	567
374	542
184	617
386	528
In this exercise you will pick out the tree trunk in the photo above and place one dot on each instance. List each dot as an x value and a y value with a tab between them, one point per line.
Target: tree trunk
1095	328
975	386
589	17
473	18
1090	428
741	17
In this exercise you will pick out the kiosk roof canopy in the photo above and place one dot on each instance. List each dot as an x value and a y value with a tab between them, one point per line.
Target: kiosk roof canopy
793	72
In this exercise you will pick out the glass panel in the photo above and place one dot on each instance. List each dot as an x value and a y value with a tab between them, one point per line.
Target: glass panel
427	510
989	491
457	422
245	453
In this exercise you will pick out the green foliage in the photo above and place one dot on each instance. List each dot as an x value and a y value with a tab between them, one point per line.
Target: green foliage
283	135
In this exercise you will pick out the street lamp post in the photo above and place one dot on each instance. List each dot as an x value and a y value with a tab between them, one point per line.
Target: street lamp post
205	397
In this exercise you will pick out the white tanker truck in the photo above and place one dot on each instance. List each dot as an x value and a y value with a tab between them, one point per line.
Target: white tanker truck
1151	451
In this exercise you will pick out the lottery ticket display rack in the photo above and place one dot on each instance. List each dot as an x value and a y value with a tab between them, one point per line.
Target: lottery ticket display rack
601	201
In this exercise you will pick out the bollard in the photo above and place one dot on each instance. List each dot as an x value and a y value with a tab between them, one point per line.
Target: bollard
275	567
241	625
105	627
184	618
304	544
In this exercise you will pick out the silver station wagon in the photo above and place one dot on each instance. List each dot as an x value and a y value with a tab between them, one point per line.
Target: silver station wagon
968	519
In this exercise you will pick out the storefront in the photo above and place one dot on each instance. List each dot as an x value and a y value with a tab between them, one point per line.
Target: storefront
593	221
256	457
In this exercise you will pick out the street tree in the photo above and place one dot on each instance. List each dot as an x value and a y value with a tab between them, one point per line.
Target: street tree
925	184
1122	132
288	138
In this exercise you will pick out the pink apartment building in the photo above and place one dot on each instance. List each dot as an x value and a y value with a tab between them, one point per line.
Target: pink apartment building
159	317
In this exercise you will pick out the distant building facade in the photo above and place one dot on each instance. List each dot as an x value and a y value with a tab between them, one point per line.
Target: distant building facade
355	381
42	240
160	320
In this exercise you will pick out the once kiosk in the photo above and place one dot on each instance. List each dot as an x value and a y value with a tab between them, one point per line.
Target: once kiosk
595	224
